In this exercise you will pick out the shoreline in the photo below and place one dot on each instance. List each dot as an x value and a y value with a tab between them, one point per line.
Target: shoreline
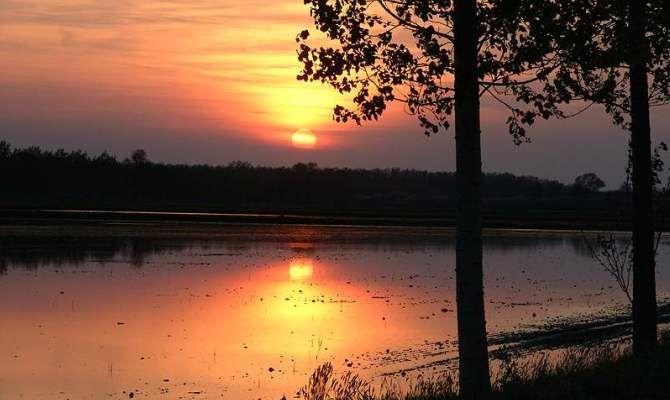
573	223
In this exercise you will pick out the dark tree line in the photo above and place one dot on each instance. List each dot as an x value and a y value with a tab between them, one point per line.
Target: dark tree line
36	177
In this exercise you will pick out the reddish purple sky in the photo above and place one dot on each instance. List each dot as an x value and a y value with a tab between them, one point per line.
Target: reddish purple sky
211	81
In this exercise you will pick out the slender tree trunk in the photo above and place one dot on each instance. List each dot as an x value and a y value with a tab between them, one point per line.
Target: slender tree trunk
475	382
644	279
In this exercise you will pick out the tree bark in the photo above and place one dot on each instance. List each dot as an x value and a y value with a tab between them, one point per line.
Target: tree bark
644	265
472	345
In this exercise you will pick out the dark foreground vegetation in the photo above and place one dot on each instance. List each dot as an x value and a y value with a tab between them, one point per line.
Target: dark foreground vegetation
37	178
597	373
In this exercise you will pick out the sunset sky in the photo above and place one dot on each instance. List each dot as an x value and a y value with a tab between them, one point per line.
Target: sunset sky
212	81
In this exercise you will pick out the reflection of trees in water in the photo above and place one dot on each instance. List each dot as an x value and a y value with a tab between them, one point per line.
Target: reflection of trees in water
577	241
509	242
35	251
583	243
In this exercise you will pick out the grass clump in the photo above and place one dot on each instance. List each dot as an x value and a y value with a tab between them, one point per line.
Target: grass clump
587	373
325	385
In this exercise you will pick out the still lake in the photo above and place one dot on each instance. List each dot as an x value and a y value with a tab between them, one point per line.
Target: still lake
247	312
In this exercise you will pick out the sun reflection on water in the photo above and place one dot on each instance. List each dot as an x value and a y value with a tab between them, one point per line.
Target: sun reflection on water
300	269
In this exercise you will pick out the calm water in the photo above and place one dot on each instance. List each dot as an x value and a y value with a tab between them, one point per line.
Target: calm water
248	312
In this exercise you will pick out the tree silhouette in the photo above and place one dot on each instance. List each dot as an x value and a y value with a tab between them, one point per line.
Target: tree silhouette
139	156
5	150
141	173
407	51
617	54
589	182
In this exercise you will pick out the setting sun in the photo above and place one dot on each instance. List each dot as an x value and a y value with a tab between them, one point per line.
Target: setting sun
303	138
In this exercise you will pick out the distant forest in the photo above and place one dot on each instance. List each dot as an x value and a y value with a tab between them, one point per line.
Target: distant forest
33	177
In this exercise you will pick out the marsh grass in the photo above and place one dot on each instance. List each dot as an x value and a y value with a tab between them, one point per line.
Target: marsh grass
324	384
603	372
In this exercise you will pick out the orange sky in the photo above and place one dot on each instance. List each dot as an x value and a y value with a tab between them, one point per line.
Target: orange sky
194	62
214	81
